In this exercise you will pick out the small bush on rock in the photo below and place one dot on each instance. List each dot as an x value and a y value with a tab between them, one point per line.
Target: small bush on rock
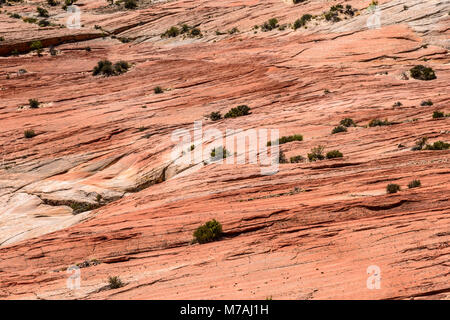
297	159
42	12
378	122
414	184
339	129
334	154
438	114
421	72
158	90
34	103
214	116
347	122
392	188
29	133
302	21
270	25
438	145
239	111
106	68
130	4
316	154
218	153
115	282
286	139
171	33
210	231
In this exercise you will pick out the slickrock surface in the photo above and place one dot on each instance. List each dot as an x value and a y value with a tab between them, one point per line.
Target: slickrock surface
310	231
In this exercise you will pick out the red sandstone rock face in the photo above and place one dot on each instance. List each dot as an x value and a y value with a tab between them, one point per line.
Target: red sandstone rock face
311	231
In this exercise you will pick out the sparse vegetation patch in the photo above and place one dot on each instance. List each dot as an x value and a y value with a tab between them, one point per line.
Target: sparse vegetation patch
347	122
107	69
115	282
414	184
316	154
286	139
378	122
421	72
334	154
438	145
392	188
210	231
29	133
239	111
338	129
269	25
34	103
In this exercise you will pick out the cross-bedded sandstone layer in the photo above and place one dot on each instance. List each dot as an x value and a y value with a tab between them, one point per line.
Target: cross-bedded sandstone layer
98	182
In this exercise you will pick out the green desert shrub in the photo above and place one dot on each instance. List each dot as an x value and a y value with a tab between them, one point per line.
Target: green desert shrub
121	67
302	21
438	145
29	133
339	129
158	90
270	25
420	144
239	111
29	20
219	152
52	3
42	12
426	103
115	282
130	4
347	122
172	32
210	231
333	13
298	1
286	139
103	67
414	184
68	3
438	114
106	68
43	23
421	72
282	157
36	46
296	159
334	154
195	32
316	154
392	188
378	122
34	103
214	116
185	28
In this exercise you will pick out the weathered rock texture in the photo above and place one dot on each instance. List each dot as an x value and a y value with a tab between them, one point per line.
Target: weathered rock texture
98	183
